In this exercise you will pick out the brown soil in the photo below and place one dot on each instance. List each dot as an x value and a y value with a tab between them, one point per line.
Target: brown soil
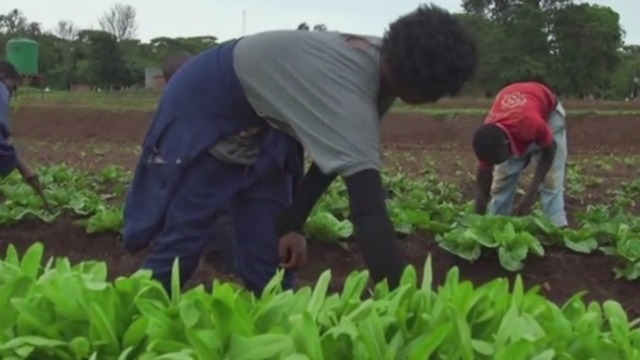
410	129
584	131
416	136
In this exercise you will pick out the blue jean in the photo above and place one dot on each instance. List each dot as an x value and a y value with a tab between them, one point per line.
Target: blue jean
507	174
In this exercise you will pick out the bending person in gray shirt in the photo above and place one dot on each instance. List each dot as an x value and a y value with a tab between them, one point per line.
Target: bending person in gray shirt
227	127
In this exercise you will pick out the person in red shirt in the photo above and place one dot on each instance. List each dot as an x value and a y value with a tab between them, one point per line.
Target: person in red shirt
526	121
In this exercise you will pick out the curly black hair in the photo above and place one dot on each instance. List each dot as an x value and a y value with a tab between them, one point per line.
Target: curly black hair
8	71
490	144
429	53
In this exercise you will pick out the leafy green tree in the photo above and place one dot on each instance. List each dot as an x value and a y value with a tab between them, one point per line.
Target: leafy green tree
587	38
625	80
575	46
107	66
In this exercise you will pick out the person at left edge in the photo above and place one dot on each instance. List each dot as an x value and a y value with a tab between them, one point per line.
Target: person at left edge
9	158
227	130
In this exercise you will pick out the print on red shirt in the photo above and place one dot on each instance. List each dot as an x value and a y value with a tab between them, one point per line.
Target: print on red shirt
522	110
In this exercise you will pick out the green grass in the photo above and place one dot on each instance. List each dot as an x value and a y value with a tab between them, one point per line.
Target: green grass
116	101
144	100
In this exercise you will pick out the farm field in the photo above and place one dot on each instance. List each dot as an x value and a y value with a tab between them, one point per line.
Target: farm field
146	100
430	168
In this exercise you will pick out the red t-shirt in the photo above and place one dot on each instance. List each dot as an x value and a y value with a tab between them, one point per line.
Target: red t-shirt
522	110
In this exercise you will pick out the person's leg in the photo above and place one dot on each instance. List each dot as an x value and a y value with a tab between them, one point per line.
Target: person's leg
552	188
255	213
205	187
220	251
504	186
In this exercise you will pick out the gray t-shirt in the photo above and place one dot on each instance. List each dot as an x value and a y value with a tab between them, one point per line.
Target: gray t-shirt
321	90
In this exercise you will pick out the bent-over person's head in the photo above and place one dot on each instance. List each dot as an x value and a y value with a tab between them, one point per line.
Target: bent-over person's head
427	54
9	75
491	144
172	62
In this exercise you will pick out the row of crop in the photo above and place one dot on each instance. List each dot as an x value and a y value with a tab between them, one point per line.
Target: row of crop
96	198
428	205
424	205
59	311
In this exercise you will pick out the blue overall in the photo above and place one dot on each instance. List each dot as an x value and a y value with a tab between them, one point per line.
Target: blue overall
8	157
179	188
219	251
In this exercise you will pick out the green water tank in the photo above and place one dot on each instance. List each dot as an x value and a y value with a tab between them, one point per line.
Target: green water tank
23	54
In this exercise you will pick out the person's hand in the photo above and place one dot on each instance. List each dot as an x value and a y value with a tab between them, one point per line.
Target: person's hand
524	206
293	251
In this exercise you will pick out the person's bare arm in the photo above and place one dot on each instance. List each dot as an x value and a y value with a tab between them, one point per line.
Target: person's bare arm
542	169
484	178
25	170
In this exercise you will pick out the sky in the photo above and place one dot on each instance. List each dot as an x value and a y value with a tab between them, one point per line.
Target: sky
224	18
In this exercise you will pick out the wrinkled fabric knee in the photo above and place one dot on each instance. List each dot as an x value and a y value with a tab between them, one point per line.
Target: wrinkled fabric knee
186	250
257	256
188	224
220	250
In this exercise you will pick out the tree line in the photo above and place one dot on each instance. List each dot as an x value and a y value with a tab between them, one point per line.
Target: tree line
109	56
577	48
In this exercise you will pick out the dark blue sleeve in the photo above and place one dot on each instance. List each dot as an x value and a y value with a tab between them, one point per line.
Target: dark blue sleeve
8	158
4	109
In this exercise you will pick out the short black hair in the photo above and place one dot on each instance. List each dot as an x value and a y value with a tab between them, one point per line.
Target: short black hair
430	52
488	142
8	71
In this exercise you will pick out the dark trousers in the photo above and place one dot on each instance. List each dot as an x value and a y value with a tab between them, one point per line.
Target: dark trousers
206	188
